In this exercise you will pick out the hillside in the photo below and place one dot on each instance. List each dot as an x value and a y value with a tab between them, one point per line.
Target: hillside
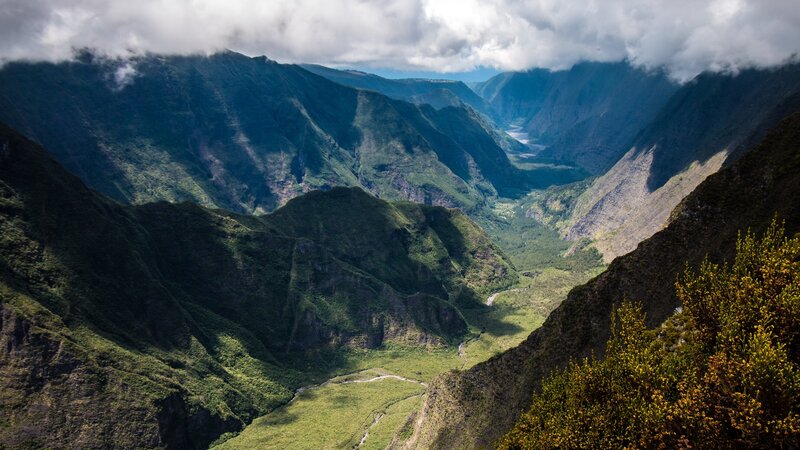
248	134
189	322
586	115
476	407
708	123
721	372
437	93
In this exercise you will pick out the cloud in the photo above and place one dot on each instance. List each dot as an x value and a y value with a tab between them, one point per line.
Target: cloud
124	75
683	36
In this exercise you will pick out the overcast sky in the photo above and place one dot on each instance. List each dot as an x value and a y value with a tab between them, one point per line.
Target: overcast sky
683	36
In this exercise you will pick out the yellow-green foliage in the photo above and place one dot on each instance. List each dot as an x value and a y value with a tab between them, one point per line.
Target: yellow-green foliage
332	416
722	373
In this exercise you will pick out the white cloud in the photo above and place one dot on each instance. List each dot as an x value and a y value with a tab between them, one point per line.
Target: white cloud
124	75
684	36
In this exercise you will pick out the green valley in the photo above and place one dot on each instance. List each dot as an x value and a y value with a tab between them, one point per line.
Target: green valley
385	411
193	322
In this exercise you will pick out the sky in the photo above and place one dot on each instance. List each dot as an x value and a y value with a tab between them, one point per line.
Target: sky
463	38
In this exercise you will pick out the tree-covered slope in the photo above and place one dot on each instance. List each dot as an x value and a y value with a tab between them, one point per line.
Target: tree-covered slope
185	321
478	406
247	134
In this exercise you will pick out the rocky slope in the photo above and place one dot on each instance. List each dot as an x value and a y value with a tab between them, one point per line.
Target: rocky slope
473	408
706	124
247	134
185	320
585	115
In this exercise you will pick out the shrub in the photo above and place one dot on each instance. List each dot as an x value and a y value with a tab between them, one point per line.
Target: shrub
721	373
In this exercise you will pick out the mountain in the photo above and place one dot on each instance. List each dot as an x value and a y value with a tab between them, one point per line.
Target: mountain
706	124
474	408
248	134
586	115
189	322
437	93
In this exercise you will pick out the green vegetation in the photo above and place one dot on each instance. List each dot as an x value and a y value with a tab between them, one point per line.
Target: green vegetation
530	239
723	372
200	320
191	322
247	134
515	312
394	425
336	415
513	315
518	311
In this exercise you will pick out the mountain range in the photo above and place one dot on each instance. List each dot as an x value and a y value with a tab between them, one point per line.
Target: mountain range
187	240
437	93
649	160
586	115
187	321
248	134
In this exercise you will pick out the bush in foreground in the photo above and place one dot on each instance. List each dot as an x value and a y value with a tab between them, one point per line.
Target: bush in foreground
721	373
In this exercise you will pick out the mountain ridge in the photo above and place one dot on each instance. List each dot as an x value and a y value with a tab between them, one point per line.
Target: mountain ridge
584	115
437	93
707	124
248	134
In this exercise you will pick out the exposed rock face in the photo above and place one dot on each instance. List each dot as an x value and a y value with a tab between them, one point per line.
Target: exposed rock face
54	396
706	124
473	408
619	210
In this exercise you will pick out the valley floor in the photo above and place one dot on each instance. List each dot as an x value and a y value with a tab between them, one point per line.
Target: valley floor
371	397
373	406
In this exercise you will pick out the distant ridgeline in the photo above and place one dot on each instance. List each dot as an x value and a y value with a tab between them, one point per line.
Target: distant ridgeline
437	93
248	134
172	323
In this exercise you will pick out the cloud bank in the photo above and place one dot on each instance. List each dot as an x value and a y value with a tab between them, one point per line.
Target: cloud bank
683	36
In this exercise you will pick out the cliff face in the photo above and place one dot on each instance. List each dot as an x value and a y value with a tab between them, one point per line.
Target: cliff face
585	115
709	122
185	321
473	408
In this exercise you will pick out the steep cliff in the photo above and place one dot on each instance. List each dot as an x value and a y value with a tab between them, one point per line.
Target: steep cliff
708	123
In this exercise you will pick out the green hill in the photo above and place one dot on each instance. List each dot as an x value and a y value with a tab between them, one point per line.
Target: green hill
188	322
